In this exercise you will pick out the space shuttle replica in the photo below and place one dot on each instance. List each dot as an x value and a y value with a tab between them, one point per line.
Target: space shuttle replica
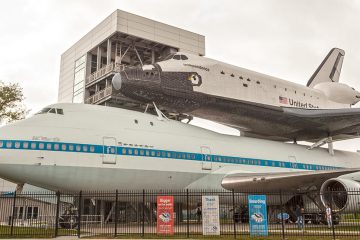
258	105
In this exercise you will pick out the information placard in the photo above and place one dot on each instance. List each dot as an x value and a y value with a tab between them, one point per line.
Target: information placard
210	215
165	215
258	215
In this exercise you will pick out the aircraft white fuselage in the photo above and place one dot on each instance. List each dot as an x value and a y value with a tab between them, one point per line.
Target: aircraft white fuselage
240	84
101	148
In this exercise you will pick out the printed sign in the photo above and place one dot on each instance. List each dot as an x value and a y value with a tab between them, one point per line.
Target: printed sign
165	215
257	215
210	215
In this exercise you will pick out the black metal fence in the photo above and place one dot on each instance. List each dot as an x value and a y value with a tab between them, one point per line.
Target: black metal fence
133	213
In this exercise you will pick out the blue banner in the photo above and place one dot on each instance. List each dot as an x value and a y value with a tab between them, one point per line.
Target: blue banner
258	215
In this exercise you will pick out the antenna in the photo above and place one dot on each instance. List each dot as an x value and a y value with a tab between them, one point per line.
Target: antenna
161	115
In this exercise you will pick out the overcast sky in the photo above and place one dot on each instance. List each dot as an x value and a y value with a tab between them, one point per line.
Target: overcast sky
283	38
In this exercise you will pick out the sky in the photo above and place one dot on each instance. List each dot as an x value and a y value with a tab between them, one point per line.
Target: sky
283	38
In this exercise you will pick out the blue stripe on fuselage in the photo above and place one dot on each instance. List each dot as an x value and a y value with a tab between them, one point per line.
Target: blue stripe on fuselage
150	152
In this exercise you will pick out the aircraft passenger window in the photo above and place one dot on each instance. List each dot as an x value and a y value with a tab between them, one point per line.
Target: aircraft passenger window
25	145
232	75
147	153
123	151
136	152
33	145
222	72
257	82
141	152
112	150
85	148
177	57
92	149
130	151
152	153
158	153
71	147
78	148
48	146
52	110
151	123
240	77
163	154
41	146
285	89
59	111
183	57
168	155
248	79
136	121
63	147
56	146
245	85
274	86
1	144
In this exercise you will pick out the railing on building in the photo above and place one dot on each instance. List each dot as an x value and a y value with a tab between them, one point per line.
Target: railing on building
110	68
106	92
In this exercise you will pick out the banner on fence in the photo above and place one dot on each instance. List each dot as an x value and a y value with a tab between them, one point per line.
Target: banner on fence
165	215
258	215
210	215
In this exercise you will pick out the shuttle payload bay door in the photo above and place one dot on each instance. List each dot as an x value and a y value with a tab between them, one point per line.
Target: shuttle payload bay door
206	158
109	150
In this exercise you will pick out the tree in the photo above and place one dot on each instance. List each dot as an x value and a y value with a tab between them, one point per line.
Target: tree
11	102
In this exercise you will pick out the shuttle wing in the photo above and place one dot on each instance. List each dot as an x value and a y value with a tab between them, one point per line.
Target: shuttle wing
288	124
275	182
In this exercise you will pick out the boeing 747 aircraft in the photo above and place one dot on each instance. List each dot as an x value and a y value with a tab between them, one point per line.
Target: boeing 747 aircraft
258	105
73	147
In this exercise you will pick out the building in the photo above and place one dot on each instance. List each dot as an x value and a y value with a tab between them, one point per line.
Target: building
88	66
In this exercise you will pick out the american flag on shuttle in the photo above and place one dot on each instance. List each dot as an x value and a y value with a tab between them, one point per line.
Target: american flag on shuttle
283	100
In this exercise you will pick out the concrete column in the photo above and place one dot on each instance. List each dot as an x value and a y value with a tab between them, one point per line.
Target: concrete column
108	52
98	61
152	56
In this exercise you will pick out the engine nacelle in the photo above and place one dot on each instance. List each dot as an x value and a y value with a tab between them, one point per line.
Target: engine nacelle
338	92
341	194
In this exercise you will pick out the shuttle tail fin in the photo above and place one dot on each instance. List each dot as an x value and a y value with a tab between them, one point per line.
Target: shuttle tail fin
330	68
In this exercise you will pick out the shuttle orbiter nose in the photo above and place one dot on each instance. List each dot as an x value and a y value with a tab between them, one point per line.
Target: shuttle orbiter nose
117	81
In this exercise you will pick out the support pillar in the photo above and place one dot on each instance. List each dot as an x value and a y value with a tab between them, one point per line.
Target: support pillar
108	52
98	61
152	56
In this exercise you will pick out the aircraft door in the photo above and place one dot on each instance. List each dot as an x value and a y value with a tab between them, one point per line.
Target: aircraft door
206	158
109	150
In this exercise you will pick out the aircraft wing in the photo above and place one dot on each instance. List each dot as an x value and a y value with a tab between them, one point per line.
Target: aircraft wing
275	182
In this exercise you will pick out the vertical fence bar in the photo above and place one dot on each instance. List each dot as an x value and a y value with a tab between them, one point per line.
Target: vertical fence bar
79	215
57	213
332	216
116	211
143	215
13	216
282	216
187	214
233	204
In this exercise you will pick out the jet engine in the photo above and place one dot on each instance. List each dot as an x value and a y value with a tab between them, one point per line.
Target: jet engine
338	92
341	194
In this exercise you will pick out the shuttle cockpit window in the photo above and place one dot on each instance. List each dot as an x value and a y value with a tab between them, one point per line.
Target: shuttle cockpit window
177	57
183	57
170	56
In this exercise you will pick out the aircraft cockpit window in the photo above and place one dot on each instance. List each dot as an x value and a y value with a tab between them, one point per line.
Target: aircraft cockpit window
59	111
44	110
183	57
177	57
52	110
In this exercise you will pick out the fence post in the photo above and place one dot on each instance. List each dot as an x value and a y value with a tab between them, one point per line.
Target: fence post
187	214
143	215
13	215
282	217
116	211
79	215
332	216
233	203
57	213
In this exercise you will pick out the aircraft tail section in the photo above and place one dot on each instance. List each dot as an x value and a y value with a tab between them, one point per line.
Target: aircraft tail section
330	68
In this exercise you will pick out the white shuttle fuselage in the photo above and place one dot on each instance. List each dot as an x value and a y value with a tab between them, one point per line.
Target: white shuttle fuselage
73	147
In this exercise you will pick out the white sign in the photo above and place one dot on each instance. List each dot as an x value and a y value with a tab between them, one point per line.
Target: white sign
210	215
